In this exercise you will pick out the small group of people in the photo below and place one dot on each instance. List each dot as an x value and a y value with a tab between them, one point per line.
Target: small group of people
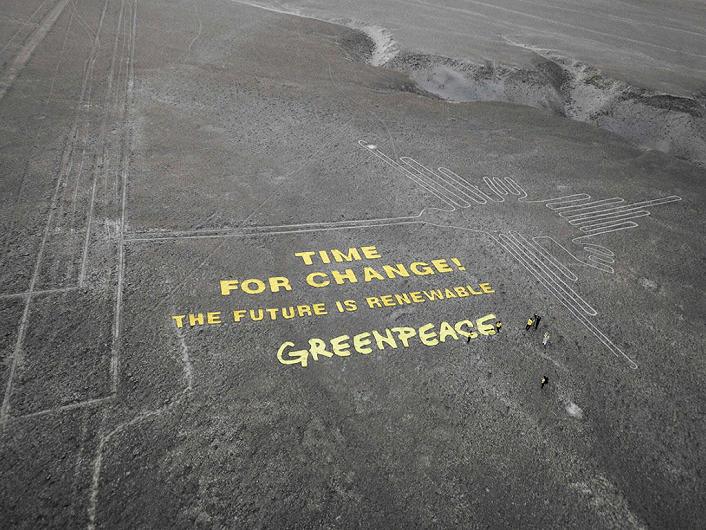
532	323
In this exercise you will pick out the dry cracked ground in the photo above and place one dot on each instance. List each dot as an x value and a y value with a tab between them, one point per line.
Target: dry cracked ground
250	275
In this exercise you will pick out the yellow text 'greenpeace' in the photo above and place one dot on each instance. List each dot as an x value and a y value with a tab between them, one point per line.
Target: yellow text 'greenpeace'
390	338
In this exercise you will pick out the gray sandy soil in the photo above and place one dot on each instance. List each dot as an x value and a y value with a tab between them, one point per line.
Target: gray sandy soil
637	69
149	149
652	44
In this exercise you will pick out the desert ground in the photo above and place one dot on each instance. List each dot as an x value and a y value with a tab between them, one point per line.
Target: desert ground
253	255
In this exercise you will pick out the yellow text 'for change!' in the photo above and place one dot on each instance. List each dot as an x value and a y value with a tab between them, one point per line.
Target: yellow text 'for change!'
365	274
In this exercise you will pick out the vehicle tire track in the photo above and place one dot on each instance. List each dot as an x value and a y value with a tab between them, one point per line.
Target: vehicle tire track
25	53
64	167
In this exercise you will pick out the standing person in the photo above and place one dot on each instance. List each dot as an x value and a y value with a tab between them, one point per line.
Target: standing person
545	381
498	326
537	318
530	321
545	339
